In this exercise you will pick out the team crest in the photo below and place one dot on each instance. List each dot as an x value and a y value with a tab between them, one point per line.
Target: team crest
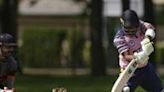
132	43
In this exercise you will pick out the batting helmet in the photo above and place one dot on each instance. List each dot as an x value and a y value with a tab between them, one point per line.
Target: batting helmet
7	40
130	19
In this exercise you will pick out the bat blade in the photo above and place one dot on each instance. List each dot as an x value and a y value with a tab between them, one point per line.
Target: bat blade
125	76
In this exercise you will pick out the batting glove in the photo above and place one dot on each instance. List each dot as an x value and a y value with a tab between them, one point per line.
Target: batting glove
147	46
141	57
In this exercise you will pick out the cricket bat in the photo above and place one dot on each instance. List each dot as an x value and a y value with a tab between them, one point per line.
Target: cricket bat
125	76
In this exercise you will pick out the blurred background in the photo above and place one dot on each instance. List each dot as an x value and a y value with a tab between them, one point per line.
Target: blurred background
69	43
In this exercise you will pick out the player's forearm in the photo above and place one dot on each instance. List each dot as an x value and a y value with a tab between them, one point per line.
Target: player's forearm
129	57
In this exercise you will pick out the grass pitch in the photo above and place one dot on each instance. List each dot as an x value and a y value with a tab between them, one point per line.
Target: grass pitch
45	83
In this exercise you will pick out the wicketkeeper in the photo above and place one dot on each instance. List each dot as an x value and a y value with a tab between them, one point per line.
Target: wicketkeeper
134	41
8	64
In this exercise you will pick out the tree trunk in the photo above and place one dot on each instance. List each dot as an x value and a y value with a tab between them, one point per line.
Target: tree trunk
9	17
149	17
125	5
97	52
149	11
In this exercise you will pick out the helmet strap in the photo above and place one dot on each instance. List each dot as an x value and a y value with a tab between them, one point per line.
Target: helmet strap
1	53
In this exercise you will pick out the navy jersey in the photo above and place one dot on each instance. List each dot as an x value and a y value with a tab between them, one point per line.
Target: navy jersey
8	66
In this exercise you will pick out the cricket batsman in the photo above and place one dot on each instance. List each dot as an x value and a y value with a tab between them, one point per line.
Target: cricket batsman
134	41
8	64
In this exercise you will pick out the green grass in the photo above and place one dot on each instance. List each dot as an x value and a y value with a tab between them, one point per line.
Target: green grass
36	83
73	84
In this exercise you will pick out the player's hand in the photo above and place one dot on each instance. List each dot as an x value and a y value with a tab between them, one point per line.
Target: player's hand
145	61
147	46
145	41
141	57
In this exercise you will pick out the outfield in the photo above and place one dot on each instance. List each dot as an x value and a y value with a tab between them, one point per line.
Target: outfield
44	83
